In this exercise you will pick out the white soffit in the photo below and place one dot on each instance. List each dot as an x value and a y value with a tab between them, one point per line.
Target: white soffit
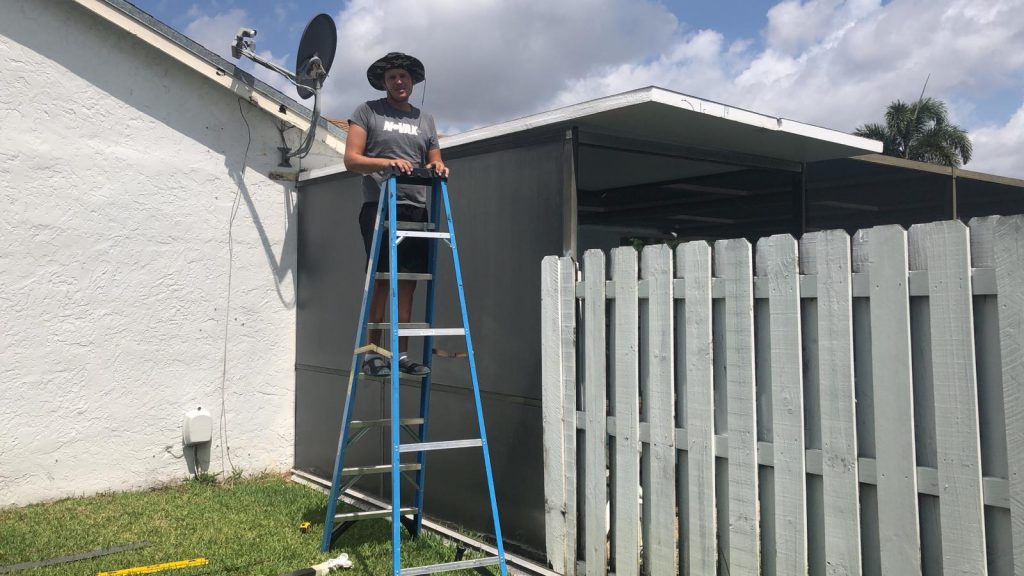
656	114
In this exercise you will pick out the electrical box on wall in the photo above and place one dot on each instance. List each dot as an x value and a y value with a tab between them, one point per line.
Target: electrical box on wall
198	427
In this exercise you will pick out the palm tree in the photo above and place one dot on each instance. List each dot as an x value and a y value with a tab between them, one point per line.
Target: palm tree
920	131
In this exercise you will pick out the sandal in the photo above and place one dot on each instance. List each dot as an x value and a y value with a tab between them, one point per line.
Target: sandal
376	366
407	366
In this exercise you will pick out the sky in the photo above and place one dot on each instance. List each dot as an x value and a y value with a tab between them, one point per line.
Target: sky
830	63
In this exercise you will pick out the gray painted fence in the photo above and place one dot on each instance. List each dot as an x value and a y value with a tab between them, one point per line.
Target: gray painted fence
832	406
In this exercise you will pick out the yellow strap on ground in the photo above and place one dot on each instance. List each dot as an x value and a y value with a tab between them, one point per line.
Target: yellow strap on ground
157	567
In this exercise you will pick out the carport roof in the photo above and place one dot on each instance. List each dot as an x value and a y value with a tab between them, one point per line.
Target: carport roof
656	114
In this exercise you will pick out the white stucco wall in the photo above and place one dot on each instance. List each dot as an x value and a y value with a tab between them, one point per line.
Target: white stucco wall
147	263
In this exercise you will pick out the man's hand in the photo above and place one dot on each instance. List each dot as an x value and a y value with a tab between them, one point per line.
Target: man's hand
439	168
403	166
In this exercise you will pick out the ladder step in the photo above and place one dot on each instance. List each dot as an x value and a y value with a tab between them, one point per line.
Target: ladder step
368	514
417	329
381	469
404	276
401	325
412	225
444	445
357	424
432	332
419	234
451	566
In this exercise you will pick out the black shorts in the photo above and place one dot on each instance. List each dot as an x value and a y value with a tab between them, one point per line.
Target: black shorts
412	252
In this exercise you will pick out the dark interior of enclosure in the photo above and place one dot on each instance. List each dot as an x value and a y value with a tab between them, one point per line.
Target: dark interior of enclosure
753	202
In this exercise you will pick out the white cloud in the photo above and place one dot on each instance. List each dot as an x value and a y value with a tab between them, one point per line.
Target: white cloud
216	32
488	60
839	64
795	26
1000	149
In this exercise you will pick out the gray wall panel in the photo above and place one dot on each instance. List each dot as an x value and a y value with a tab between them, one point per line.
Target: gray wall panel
507	207
332	267
508	214
319	402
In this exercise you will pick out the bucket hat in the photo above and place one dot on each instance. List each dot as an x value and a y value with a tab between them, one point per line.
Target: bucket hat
375	73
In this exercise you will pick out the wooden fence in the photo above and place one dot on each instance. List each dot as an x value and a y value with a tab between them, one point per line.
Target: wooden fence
828	406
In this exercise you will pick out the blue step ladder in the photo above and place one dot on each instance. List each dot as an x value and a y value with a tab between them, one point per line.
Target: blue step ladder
351	430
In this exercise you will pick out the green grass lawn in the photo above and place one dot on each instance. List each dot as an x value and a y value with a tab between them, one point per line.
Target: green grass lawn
245	527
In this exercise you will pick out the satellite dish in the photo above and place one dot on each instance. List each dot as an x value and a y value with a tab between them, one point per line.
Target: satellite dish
319	40
312	63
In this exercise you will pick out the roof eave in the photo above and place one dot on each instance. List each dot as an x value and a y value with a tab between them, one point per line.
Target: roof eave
141	25
669	98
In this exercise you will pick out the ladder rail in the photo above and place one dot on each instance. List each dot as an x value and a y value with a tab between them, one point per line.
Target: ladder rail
396	463
428	357
476	382
353	377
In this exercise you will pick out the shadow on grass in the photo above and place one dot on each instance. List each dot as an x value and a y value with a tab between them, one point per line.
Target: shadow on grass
315	516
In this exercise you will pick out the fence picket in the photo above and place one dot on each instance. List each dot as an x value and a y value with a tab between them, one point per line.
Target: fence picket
656	268
778	257
558	373
838	424
736	268
946	250
1009	264
596	413
898	529
991	408
627	413
694	259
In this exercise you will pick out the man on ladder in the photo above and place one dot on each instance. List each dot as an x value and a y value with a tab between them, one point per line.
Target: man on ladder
385	135
395	146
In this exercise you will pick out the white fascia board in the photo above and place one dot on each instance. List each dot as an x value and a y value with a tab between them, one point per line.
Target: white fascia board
669	98
834	136
685	102
263	101
322	172
690	103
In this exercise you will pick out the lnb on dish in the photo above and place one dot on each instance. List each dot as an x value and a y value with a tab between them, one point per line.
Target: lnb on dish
312	63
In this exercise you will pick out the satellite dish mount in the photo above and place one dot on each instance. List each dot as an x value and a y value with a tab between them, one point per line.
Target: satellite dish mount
312	63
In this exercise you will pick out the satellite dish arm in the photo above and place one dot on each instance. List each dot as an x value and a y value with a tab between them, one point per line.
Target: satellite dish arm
245	46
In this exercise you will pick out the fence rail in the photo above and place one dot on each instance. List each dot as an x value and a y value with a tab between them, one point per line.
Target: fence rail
835	405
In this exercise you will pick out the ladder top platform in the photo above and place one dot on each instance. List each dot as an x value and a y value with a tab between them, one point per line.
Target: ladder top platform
418	177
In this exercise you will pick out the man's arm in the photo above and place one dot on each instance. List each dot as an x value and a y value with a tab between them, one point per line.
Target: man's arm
435	163
357	161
